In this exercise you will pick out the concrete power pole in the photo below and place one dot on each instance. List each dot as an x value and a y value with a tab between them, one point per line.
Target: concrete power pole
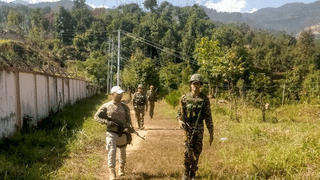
118	73
108	77
111	75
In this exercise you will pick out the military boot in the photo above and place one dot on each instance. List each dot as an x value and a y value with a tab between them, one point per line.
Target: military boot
192	175
112	174
186	175
121	170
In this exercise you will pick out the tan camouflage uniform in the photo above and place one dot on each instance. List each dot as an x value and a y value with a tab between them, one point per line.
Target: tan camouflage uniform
151	96
113	139
189	108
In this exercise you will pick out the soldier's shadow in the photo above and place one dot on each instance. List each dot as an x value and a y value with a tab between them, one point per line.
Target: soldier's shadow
143	176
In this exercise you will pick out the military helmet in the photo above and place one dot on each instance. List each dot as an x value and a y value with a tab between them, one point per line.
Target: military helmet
140	86
196	77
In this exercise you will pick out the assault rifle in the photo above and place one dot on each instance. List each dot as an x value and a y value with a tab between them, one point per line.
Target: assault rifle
124	126
120	124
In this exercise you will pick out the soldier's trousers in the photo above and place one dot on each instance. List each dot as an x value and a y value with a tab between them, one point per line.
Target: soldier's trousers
140	117
192	153
112	140
151	108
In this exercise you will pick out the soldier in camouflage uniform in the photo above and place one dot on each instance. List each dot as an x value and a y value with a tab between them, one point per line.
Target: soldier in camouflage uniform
140	103
111	113
194	109
151	97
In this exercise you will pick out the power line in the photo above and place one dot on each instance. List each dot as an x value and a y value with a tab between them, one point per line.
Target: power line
159	45
161	49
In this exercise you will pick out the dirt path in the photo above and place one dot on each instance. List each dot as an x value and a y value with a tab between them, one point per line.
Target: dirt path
144	157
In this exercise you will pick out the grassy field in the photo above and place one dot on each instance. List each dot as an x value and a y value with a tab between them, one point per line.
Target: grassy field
287	146
44	152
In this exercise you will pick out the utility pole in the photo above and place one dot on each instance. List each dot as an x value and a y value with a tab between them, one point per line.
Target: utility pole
108	77
111	75
118	73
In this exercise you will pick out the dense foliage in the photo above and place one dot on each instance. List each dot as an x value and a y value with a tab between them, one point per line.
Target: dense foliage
163	45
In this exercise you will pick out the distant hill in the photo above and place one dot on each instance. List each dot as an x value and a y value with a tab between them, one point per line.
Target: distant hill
292	17
68	4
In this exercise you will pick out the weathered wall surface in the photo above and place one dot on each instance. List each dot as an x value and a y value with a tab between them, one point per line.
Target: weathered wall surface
42	96
26	97
7	103
53	98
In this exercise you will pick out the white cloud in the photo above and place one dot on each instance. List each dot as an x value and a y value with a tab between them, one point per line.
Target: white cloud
94	6
253	10
227	5
38	1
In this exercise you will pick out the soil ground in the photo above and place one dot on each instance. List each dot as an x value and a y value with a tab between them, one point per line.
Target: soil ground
143	156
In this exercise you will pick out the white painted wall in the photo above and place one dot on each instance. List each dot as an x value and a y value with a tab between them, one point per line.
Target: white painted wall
27	97
66	89
8	101
53	98
71	86
39	95
60	93
42	96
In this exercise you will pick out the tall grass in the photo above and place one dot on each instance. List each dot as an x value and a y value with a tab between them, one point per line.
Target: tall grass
287	146
40	153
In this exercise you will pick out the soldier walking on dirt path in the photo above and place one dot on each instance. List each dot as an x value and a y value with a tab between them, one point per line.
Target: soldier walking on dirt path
194	109
151	97
116	115
140	104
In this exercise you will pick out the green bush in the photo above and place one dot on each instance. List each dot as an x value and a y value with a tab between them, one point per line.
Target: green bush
173	98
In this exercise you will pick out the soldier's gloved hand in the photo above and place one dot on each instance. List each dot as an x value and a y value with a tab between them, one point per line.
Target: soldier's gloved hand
182	125
211	139
126	130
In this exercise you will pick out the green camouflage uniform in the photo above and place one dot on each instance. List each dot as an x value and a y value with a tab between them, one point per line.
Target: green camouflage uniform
189	108
139	103
151	96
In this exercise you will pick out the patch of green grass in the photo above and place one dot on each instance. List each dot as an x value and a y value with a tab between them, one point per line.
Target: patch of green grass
253	149
4	41
39	153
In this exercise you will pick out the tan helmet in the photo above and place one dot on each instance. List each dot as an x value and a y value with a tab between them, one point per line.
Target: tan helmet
140	86
196	77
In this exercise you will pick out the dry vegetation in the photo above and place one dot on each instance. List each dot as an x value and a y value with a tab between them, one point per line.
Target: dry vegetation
287	146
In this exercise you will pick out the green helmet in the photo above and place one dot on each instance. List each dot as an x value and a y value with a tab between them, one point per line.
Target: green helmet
140	86
196	77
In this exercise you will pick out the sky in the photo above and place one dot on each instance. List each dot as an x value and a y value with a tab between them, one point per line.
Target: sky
243	6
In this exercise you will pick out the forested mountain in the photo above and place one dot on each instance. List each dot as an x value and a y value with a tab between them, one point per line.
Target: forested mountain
68	4
163	44
292	17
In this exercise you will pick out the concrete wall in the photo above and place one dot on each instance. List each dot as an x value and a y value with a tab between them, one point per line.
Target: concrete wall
53	95
60	93
26	97
42	96
8	102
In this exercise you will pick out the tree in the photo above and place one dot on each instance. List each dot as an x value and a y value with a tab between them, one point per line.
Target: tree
150	4
15	20
64	26
96	66
139	70
83	17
